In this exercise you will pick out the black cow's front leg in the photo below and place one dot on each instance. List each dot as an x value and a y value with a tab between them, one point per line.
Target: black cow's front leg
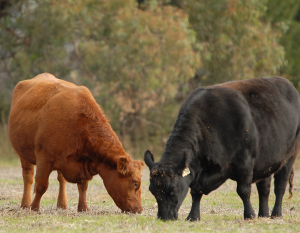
244	191
194	214
263	188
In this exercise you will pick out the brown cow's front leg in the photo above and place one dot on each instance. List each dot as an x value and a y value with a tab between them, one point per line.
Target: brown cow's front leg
82	188
194	214
62	200
27	173
43	170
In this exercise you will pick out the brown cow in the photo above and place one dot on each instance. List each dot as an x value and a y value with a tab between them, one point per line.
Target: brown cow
57	125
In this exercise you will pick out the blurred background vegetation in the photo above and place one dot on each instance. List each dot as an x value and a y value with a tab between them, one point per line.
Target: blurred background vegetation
141	58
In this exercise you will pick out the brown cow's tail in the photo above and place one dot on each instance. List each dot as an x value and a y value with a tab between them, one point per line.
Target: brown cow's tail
291	183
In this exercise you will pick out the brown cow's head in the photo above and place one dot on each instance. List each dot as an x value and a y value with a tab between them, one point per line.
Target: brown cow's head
124	184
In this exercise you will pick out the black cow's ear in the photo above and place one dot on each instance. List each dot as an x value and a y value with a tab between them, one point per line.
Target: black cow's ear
182	166
149	160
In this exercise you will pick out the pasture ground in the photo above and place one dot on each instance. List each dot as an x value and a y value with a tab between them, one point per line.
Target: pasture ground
221	210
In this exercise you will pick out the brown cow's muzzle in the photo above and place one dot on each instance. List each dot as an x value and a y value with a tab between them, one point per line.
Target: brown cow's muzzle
134	210
138	209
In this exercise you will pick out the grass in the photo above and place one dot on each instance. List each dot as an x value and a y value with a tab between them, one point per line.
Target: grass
221	210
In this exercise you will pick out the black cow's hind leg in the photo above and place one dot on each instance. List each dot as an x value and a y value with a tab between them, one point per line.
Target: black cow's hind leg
244	190
263	188
280	182
194	214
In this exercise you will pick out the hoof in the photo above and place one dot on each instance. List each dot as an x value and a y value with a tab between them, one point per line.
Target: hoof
33	208
192	219
276	217
250	217
63	207
83	210
263	216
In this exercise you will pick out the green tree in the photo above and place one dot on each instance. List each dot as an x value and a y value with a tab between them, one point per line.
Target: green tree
147	54
137	53
237	43
132	59
289	12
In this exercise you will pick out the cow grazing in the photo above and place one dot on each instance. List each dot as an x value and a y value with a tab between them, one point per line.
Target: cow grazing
57	125
244	130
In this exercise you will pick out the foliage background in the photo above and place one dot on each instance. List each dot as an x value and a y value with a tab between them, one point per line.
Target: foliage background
142	58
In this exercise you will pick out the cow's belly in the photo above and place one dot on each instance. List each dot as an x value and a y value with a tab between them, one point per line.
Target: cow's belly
75	171
269	168
269	163
261	174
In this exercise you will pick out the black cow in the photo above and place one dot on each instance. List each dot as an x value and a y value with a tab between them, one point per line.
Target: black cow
244	130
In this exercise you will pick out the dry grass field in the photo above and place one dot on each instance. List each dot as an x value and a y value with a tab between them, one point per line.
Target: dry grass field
221	210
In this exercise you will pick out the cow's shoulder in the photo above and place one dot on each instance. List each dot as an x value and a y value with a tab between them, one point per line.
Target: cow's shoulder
212	101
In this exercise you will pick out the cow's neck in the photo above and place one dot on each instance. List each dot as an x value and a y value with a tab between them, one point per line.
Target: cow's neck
104	170
105	143
177	146
108	174
184	139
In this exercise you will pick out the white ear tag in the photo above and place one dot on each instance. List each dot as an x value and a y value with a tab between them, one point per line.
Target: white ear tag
185	172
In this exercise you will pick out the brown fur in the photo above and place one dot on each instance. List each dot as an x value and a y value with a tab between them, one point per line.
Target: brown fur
57	125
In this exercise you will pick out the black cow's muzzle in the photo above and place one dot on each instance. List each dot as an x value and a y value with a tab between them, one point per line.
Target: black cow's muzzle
168	216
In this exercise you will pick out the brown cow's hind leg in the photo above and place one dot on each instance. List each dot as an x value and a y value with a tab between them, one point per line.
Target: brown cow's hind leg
27	173
82	188
62	200
43	170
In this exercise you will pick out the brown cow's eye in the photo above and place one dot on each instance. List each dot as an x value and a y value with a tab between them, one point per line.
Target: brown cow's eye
136	185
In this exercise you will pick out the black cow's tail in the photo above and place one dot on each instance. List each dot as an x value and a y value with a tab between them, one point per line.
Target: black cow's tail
291	183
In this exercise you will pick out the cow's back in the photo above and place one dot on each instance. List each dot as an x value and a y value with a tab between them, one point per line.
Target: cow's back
44	109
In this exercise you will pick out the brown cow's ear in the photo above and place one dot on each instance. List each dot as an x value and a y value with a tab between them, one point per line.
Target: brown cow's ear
140	164
123	165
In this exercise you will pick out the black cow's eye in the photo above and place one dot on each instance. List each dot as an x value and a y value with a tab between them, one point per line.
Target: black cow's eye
171	191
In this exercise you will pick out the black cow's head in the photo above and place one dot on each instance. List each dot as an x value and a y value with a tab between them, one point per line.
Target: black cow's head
168	183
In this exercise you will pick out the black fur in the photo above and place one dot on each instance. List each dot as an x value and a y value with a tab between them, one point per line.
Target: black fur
244	130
